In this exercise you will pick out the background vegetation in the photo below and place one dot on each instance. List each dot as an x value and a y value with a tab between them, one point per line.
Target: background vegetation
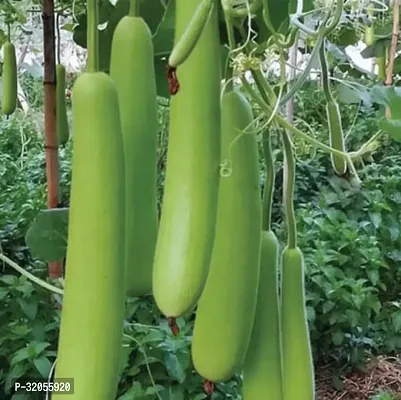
350	237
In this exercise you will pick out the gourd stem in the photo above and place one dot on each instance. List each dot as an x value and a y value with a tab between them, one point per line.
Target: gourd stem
288	190
269	182
93	36
134	8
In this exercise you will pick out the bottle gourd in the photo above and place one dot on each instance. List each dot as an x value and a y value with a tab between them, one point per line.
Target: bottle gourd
91	331
132	69
225	314
298	373
9	80
262	375
187	225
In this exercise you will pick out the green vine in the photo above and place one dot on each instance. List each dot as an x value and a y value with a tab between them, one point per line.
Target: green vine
288	190
269	181
30	276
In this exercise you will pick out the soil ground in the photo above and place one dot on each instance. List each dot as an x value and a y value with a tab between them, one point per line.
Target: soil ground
383	374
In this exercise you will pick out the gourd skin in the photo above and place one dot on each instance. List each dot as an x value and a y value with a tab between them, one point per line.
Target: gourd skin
225	313
63	133
336	137
132	69
298	373
9	80
263	366
93	305
187	225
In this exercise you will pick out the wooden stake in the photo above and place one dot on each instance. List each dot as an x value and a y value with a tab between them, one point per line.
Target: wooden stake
51	141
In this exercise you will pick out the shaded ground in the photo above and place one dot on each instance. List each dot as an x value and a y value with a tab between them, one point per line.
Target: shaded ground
382	374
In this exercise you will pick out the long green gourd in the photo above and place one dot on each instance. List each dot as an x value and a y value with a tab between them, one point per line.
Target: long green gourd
369	38
298	371
369	34
333	118
63	132
262	374
132	69
9	80
187	225
187	42
226	309
90	342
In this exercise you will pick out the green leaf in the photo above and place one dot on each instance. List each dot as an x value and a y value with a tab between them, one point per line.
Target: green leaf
174	367
376	219
377	50
353	317
134	392
10	280
47	236
20	355
353	95
17	371
125	353
392	127
327	306
43	365
30	308
36	348
154	389
21	396
3	293
396	321
176	392
277	14
310	312
338	338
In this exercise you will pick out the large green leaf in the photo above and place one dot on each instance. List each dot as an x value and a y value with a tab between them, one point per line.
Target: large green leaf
389	96
47	236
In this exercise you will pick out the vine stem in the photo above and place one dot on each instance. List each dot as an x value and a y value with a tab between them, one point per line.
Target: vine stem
251	7
288	190
30	276
231	44
93	36
324	30
134	8
269	182
286	125
152	381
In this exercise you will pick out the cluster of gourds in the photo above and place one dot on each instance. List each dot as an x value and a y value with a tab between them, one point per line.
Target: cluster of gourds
213	248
